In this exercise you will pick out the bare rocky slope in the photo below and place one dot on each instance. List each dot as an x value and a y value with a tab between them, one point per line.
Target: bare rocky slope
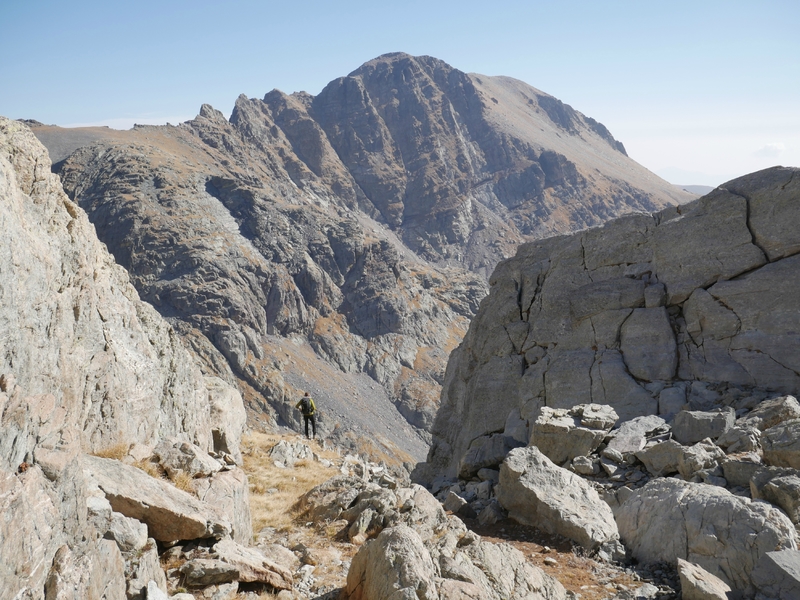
339	243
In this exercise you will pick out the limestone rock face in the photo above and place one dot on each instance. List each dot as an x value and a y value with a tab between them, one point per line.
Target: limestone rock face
86	367
647	314
87	340
705	525
363	221
536	492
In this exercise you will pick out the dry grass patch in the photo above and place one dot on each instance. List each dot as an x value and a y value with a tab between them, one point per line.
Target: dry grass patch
116	451
151	468
183	481
275	491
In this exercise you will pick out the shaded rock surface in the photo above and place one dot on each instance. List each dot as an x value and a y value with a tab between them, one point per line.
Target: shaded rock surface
363	221
646	313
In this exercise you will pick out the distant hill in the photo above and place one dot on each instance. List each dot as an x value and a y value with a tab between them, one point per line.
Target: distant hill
341	243
700	190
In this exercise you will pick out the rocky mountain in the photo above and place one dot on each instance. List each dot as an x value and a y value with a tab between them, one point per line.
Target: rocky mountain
694	306
340	243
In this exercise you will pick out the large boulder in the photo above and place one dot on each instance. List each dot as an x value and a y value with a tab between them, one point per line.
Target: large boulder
661	459
228	417
772	412
396	565
169	513
253	565
229	493
632	435
701	456
691	426
706	525
537	492
399	565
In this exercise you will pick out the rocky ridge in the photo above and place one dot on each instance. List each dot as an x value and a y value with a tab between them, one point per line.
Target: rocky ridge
309	241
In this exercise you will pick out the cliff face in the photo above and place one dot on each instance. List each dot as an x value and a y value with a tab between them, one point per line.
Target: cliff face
692	307
360	224
85	367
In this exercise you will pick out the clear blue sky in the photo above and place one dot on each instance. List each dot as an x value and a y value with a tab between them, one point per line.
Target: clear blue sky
698	91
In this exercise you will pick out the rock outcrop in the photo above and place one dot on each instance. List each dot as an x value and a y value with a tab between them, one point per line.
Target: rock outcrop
360	223
86	367
649	314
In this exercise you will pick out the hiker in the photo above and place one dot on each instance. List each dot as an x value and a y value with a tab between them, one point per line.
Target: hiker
308	408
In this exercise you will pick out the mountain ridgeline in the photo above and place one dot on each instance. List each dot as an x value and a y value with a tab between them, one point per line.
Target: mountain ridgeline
341	243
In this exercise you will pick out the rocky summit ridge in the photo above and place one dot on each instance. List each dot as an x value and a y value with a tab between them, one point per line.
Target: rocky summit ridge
340	243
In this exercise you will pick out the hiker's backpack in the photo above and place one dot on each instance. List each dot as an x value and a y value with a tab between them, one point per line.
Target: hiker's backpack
305	406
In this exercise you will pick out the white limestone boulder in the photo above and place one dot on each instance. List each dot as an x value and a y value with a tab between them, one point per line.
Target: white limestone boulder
229	493
253	565
169	513
537	492
706	525
691	426
178	456
772	412
781	444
